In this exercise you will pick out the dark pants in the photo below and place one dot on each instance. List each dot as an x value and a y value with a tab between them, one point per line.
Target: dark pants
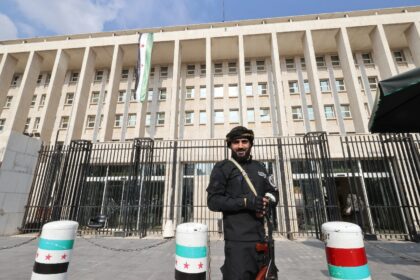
242	261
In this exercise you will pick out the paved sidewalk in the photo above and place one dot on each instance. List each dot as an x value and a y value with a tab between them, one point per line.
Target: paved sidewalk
297	260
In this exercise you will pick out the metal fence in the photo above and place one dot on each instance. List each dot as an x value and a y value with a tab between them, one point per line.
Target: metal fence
140	186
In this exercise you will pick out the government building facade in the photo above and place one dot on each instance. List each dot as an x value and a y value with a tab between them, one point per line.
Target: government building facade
288	79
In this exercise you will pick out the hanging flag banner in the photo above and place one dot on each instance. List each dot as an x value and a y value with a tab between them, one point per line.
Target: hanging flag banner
143	65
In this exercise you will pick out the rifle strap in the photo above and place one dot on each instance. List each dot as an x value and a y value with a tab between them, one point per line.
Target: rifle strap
243	172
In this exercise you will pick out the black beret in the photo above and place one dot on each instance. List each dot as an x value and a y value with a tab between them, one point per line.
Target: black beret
239	132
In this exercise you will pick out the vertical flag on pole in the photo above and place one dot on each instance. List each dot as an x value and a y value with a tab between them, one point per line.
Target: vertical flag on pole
143	65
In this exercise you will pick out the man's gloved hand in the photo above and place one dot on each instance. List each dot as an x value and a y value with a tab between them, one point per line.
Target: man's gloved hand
254	203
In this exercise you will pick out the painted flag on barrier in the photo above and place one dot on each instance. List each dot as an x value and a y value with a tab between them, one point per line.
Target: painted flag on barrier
143	65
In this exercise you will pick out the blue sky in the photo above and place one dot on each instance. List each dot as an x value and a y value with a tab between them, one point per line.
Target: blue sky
37	18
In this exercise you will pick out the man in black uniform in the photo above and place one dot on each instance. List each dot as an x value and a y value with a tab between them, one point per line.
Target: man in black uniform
243	211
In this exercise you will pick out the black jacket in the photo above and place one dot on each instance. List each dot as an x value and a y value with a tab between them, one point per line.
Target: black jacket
226	191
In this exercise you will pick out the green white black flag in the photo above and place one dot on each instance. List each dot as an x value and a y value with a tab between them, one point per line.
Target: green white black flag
143	65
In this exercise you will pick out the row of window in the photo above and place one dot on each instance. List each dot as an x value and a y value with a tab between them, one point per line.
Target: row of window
325	85
329	112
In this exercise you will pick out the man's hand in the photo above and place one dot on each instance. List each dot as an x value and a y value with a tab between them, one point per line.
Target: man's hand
255	203
261	214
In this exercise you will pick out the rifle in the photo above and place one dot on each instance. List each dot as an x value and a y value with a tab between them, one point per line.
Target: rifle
269	270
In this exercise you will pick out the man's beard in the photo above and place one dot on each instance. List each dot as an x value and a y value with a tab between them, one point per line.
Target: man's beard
243	158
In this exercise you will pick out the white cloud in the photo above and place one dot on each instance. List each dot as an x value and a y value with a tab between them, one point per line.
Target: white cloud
70	16
8	29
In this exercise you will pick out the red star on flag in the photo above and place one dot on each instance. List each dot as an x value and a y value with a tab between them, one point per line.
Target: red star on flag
48	257
141	46
176	261
186	265
36	255
63	257
200	265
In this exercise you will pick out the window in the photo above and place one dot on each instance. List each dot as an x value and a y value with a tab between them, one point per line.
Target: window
218	91
320	61
219	116
203	92
94	98
367	58
124	74
150	94
325	85
39	80
339	85
234	116
190	70
99	76
90	122
189	117
306	86
232	67
36	124
260	65
290	64
202	69
15	80
152	72
42	100
247	66
297	113
133	96
118	120
8	101
399	56
233	90
311	115
162	94
248	89
164	71
203	117
367	110
359	79
373	82
329	112
148	119
345	111
293	87
218	68
121	96
74	77
69	98
160	118
250	114
302	63
265	114
189	92
47	79
131	120
2	122
335	60
262	88
33	101
64	122
28	121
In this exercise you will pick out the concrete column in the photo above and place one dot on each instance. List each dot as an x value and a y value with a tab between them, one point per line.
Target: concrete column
302	92
81	96
23	98
112	96
365	79
354	92
317	104
243	119
278	94
173	117
7	69
209	90
412	35
49	111
155	102
381	53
